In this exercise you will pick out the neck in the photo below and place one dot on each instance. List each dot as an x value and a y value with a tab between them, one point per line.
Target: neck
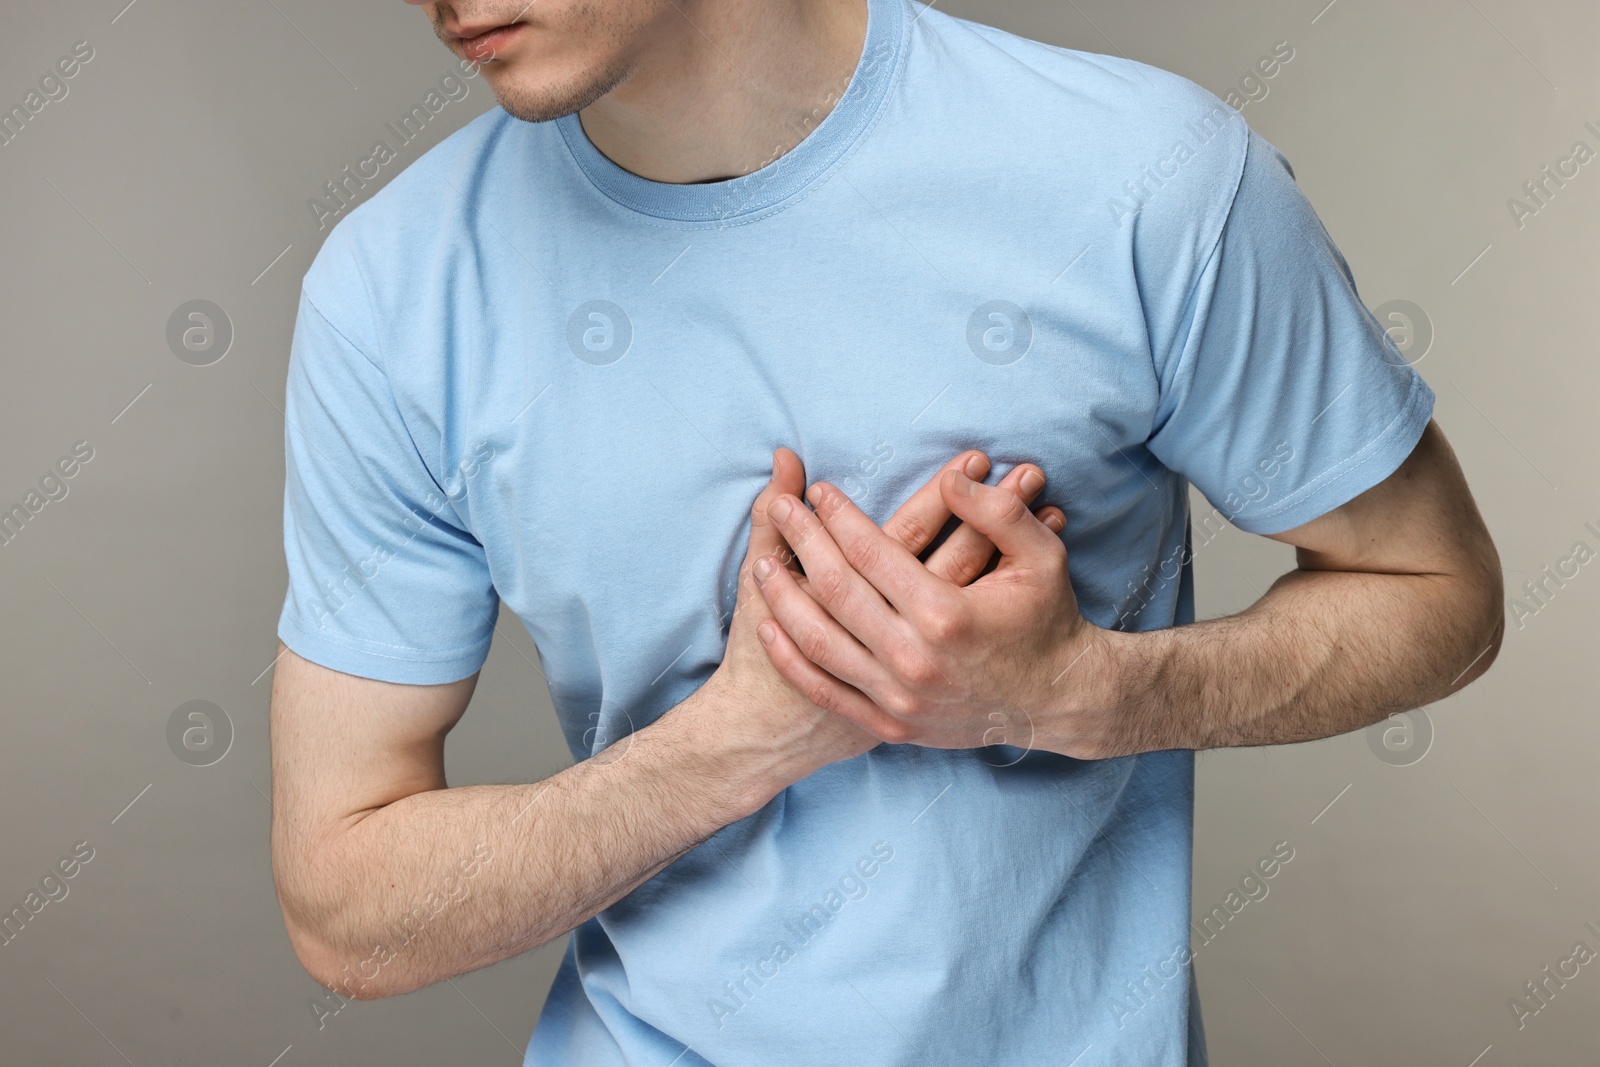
724	87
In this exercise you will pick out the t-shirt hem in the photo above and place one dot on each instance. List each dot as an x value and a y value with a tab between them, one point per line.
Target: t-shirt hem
1345	481
406	666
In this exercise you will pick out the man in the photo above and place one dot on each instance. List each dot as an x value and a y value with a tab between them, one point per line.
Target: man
551	365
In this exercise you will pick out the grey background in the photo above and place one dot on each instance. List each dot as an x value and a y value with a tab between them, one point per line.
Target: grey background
178	168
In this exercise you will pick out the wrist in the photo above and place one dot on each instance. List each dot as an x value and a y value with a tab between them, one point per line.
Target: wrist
741	772
1103	705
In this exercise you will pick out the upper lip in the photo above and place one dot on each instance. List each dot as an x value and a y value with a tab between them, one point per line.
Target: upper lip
465	33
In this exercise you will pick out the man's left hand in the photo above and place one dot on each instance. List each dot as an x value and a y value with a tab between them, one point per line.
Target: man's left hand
916	659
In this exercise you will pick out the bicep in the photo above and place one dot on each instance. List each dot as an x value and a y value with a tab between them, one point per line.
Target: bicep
1419	520
344	746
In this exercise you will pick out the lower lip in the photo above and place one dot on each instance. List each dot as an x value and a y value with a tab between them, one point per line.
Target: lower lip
487	46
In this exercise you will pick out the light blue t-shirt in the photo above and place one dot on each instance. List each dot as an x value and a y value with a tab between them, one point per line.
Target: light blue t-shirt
523	375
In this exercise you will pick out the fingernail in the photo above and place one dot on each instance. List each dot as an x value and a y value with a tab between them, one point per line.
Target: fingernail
964	486
1055	523
1031	481
814	494
779	509
765	568
767	631
977	466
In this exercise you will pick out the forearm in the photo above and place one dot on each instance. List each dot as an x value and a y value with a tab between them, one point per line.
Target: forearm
387	905
1324	652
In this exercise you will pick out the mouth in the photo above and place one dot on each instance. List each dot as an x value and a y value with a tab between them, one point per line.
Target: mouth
481	44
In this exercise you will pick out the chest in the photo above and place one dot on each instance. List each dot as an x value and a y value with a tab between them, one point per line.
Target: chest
604	443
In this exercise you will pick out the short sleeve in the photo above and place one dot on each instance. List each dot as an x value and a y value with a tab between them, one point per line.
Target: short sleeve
383	581
1283	397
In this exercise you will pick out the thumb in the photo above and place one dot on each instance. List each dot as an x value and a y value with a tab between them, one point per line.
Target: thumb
788	476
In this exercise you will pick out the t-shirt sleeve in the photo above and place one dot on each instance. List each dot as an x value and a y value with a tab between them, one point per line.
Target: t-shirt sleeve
384	582
1282	397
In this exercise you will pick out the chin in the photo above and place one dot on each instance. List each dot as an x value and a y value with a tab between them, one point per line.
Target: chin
537	96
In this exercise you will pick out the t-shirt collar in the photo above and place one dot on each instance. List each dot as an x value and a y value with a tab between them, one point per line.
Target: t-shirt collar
750	194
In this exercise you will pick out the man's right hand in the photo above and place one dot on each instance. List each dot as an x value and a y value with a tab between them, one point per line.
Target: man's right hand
748	703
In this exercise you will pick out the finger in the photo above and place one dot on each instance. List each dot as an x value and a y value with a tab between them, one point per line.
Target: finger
1054	520
918	521
891	567
788	476
817	634
787	471
832	581
818	686
966	552
1001	516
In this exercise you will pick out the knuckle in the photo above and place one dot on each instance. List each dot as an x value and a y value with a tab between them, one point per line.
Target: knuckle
969	563
864	555
813	644
1008	507
829	586
916	668
901	704
905	663
910	531
896	733
942	623
820	693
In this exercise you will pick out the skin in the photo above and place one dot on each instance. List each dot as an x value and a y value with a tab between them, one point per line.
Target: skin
1395	604
1394	592
672	90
